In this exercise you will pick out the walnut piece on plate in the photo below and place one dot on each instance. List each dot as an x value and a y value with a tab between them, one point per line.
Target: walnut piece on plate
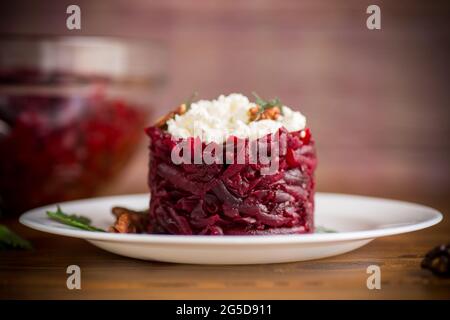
129	221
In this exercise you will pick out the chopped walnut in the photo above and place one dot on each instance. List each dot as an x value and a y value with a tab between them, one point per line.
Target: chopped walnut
180	110
253	113
271	113
129	221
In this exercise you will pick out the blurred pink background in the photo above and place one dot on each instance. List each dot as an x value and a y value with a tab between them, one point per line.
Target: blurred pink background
377	101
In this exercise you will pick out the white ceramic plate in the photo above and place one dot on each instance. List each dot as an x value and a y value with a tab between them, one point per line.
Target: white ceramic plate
357	220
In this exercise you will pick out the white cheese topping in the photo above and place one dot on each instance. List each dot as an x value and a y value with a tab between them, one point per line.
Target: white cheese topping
216	120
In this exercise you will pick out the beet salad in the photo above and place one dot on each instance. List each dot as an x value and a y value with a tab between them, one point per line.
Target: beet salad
228	166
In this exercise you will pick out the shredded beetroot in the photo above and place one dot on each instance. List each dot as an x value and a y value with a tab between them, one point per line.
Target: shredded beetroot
232	199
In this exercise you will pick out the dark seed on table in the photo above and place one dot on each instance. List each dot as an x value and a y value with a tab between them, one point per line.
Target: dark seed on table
438	261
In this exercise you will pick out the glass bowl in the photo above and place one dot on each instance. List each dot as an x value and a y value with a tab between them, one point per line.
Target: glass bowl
72	112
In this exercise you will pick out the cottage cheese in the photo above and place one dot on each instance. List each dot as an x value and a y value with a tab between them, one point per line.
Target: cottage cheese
214	121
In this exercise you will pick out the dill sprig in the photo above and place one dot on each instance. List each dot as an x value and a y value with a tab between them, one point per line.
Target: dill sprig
11	240
266	104
79	222
190	100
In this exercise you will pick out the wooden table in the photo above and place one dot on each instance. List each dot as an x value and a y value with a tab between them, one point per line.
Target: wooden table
41	274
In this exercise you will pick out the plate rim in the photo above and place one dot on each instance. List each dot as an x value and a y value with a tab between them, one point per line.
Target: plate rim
230	240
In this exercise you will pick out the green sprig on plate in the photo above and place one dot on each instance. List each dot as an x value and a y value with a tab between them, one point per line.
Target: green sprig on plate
72	220
321	229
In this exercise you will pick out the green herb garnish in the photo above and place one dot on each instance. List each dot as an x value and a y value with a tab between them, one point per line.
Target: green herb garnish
10	240
189	101
320	229
266	104
79	222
